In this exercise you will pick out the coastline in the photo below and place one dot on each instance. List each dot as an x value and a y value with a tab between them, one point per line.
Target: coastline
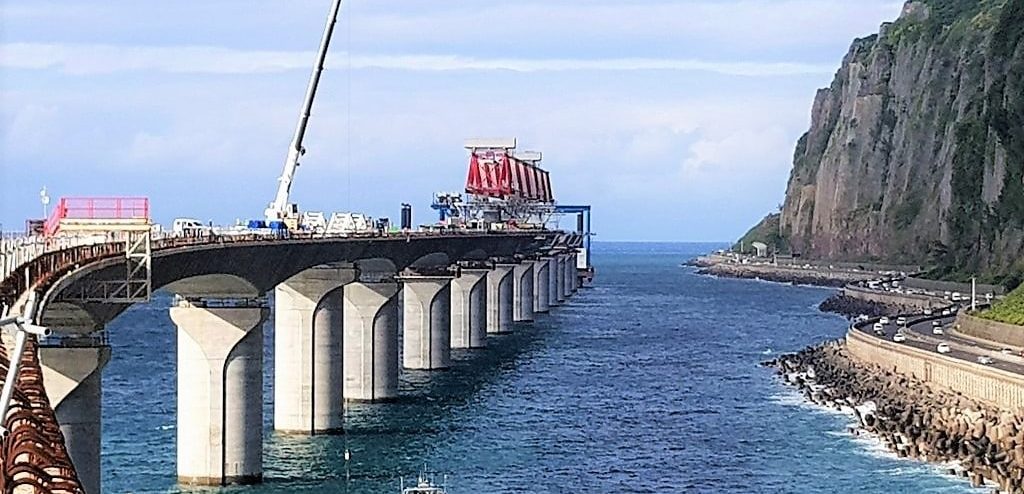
909	417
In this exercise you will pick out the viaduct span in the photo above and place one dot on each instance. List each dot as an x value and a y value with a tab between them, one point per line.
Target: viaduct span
349	314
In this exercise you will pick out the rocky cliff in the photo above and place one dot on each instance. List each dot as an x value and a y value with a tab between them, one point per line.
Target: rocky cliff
916	151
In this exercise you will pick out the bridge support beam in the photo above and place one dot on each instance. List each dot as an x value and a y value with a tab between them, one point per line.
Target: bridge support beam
522	292
371	341
469	309
541	284
427	313
499	299
220	394
308	334
73	385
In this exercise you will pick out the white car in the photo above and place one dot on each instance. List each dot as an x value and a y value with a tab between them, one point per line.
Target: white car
901	321
899	338
1006	351
937	330
985	360
943	348
927	312
945	312
884	320
878	327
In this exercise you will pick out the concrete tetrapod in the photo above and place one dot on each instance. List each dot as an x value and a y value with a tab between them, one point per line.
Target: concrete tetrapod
73	379
522	292
541	285
469	309
220	394
371	341
426	342
499	299
308	335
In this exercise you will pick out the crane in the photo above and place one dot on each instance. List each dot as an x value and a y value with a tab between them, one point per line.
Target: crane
281	211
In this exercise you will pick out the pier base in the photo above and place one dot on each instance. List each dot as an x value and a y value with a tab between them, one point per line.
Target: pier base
220	394
427	312
73	385
371	341
499	299
541	284
308	334
522	292
469	309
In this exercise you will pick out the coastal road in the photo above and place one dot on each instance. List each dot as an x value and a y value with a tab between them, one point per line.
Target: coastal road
920	336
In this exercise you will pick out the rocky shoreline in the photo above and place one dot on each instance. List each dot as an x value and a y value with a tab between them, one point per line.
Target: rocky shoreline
910	418
852	307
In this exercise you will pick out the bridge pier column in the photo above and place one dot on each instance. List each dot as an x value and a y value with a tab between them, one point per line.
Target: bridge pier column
220	394
308	334
427	313
469	309
560	280
522	288
553	275
499	299
371	341
73	385
570	275
541	284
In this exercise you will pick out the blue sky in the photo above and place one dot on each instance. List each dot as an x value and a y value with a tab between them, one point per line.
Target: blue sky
675	120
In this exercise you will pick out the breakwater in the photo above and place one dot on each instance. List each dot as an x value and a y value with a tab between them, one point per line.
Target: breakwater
784	274
913	417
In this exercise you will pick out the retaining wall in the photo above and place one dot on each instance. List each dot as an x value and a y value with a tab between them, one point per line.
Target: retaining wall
949	286
909	300
999	388
994	331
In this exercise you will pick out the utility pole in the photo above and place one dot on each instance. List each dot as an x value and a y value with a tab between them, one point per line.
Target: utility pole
974	294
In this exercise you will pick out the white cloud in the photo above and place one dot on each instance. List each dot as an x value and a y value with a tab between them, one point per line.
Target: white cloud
91	59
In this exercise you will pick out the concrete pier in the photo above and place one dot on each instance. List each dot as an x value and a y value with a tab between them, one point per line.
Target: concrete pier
522	292
499	299
73	377
220	394
570	275
308	335
469	309
427	312
560	280
553	276
541	284
371	341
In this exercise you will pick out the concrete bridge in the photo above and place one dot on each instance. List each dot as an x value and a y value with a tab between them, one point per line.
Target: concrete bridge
349	314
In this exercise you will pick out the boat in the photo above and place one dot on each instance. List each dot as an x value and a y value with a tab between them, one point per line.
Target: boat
426	483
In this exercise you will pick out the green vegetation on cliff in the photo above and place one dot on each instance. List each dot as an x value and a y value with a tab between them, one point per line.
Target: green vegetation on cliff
766	232
1009	310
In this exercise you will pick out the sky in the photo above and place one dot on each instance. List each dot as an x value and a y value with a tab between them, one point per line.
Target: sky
675	120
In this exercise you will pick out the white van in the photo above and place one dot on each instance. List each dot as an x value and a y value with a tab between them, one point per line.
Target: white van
189	227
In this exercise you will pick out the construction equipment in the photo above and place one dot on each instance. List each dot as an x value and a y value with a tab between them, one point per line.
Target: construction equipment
280	214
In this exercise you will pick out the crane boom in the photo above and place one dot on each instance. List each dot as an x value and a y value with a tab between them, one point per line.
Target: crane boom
278	209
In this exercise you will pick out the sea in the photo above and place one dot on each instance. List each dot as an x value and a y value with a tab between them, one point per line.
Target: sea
647	382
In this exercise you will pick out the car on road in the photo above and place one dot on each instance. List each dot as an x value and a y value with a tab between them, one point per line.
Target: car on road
901	321
985	360
884	320
937	328
943	348
927	312
899	338
1006	351
945	312
878	328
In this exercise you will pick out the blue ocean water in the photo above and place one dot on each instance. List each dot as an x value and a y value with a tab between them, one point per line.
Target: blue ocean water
647	382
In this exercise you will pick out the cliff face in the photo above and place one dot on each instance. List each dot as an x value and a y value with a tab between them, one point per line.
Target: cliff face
915	152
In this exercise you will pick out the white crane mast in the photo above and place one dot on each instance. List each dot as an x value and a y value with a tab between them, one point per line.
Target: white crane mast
278	210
